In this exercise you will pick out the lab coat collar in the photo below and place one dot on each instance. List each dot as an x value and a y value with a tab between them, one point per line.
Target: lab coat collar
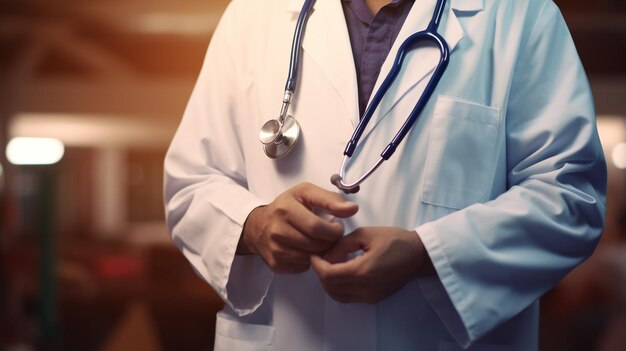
327	43
468	5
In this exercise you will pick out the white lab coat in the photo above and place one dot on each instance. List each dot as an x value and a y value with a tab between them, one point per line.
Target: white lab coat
502	176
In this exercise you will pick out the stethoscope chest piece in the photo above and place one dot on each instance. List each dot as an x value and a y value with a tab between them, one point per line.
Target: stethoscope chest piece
278	139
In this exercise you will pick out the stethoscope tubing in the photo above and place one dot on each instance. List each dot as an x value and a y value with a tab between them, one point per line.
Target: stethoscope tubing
272	132
294	63
393	73
423	100
430	34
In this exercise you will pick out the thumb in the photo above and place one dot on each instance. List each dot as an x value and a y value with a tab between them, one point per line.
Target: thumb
344	247
315	197
342	208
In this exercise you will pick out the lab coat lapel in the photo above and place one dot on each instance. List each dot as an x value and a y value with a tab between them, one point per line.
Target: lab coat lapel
327	43
419	63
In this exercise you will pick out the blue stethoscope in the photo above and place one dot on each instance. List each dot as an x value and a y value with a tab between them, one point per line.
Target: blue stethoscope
278	136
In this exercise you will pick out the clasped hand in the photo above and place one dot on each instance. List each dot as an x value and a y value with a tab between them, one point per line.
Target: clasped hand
291	237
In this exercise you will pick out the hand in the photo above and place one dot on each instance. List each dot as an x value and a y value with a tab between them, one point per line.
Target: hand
391	257
287	231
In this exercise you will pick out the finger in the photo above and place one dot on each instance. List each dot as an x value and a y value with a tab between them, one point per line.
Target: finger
302	242
348	244
319	264
282	260
338	273
309	224
291	256
313	196
285	234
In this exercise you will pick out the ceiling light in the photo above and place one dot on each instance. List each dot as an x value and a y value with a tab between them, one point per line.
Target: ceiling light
34	151
618	156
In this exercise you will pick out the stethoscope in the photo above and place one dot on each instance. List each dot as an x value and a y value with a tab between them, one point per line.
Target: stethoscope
279	136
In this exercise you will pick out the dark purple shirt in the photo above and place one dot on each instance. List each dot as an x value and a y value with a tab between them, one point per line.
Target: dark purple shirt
371	37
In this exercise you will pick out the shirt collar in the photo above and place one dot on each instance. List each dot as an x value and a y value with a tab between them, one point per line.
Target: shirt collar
363	13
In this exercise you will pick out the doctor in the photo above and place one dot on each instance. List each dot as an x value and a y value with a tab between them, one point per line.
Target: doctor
495	194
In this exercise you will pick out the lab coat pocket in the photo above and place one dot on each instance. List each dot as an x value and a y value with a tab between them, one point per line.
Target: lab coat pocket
234	335
461	150
451	346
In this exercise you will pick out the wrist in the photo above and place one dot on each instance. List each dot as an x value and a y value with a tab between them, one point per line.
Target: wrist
250	229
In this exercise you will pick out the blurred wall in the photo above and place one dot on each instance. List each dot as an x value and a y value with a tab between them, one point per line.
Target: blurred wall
86	261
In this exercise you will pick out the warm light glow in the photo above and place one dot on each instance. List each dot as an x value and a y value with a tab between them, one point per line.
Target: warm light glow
170	23
35	151
612	130
619	155
95	130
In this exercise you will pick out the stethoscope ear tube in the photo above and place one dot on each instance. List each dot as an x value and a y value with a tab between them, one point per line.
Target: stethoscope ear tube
351	188
428	35
336	180
426	95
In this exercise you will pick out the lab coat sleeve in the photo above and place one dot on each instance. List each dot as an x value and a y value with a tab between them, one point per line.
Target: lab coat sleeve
494	259
206	195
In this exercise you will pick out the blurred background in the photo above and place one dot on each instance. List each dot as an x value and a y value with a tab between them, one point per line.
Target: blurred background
85	259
